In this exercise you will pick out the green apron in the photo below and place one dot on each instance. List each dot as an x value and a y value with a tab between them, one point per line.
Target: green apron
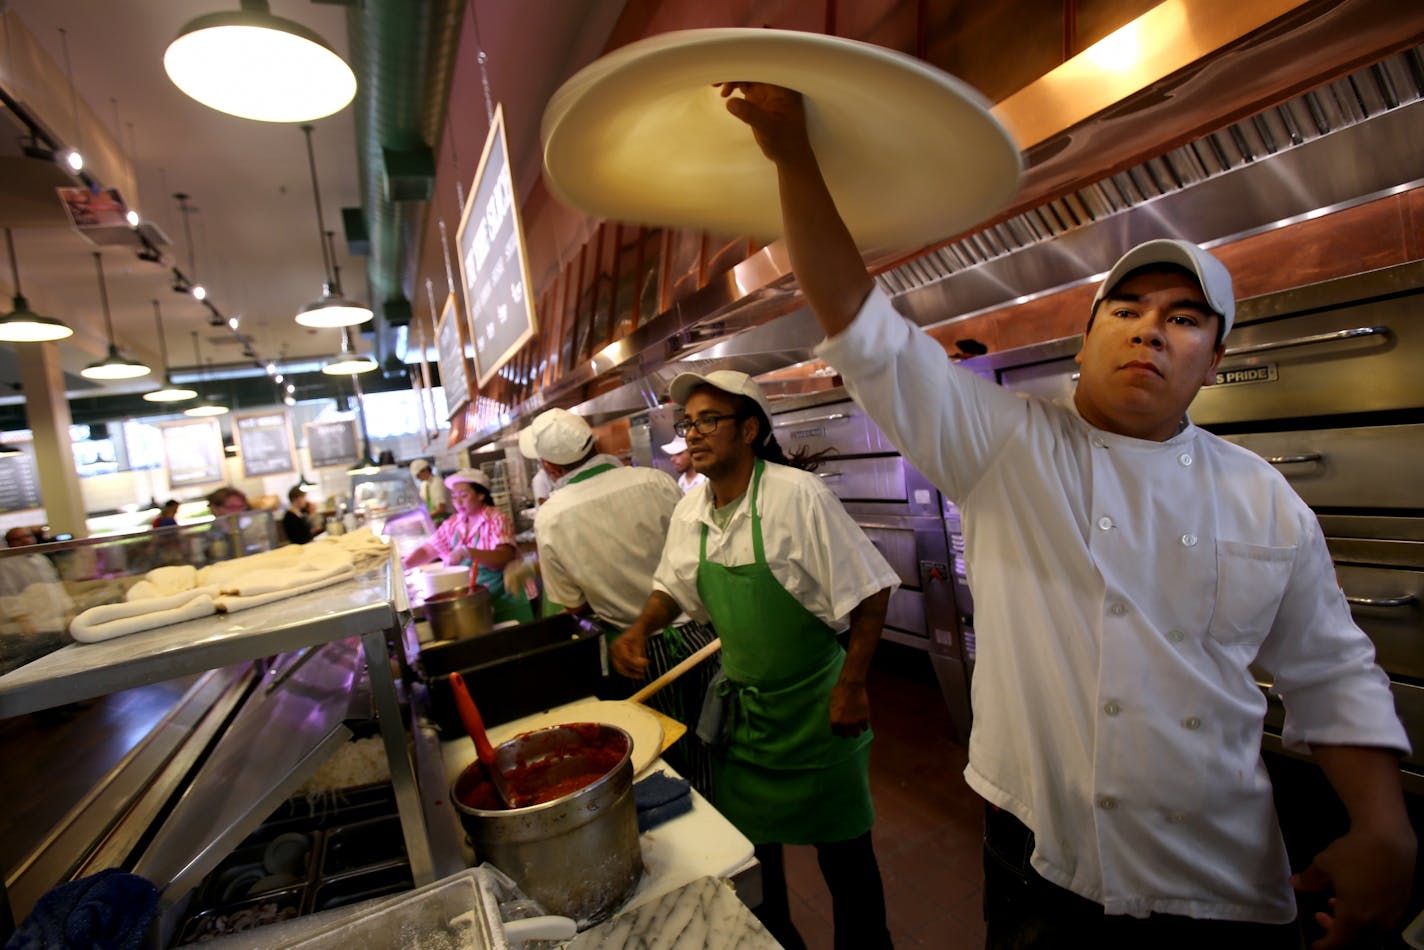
783	775
506	605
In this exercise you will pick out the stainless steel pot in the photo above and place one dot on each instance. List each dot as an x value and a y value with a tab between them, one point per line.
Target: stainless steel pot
456	614
577	855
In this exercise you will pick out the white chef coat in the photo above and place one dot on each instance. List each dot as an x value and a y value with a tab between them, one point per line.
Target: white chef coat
689	480
541	486
433	492
1121	588
812	546
600	538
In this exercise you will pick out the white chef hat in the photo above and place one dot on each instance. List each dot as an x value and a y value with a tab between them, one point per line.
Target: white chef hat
676	446
1213	276
470	476
418	466
557	436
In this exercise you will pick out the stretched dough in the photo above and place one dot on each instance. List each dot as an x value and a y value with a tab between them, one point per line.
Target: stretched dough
911	154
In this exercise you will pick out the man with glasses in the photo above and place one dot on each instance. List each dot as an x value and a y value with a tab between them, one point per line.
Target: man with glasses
766	553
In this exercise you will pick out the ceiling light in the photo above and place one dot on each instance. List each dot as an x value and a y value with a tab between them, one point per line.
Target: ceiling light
333	309
199	292
131	216
113	365
23	325
254	65
74	160
279	377
209	407
290	387
168	392
348	362
289	399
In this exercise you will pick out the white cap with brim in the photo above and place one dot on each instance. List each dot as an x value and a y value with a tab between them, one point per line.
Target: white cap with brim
418	466
1213	276
727	380
557	436
470	476
676	447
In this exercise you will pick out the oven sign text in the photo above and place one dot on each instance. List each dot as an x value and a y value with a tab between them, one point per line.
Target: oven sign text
1250	374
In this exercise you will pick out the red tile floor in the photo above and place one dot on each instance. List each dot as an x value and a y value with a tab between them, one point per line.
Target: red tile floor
929	824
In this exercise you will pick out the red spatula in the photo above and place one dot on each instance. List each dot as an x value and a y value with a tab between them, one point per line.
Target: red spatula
475	726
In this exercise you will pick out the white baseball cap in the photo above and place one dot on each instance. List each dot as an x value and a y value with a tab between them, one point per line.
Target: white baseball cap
557	436
727	380
418	466
470	476
675	447
1213	276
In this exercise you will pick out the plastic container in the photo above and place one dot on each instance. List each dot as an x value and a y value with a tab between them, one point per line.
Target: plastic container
460	910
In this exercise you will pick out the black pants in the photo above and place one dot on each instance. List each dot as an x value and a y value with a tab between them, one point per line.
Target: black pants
857	897
1022	910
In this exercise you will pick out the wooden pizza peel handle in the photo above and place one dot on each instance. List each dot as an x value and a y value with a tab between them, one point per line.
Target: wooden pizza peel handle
676	671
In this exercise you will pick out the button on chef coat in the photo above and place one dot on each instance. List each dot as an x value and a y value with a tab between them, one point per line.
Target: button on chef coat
600	538
1070	616
812	546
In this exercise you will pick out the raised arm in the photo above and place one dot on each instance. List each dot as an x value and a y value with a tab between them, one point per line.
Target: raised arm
827	263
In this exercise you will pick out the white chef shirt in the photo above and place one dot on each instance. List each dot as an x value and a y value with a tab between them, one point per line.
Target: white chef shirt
433	492
600	538
689	480
1121	588
541	486
813	547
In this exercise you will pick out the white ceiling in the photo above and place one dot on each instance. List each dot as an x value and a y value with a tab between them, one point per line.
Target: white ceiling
254	229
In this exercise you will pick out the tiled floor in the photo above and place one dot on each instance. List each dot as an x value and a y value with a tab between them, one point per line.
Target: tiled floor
929	824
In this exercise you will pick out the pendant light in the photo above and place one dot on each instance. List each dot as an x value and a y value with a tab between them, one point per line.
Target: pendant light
211	405
254	65
23	325
333	309
348	362
169	392
114	365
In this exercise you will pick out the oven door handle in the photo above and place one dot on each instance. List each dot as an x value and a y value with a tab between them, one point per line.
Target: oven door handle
796	422
1294	459
1334	336
1401	601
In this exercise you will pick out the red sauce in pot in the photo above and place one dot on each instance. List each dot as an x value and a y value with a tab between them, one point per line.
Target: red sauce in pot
563	770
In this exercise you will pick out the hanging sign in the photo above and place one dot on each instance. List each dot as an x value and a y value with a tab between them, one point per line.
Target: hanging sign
192	452
265	441
450	335
19	485
494	268
332	442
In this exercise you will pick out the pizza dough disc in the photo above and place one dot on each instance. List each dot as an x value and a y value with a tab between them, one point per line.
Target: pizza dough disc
639	723
911	154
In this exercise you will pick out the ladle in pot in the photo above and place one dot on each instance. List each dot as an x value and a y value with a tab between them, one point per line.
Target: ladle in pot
475	726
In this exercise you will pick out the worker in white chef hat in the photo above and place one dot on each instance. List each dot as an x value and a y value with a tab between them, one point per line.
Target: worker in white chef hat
688	478
432	490
481	536
600	535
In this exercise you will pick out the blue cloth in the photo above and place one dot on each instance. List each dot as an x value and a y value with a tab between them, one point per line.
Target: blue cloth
110	910
660	798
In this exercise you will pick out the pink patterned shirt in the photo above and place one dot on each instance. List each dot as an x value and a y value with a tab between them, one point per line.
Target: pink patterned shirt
484	531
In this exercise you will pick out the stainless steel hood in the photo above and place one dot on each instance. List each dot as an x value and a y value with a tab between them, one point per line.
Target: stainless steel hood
1351	141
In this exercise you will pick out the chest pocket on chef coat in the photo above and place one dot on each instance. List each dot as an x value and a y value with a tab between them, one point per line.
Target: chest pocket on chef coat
1250	580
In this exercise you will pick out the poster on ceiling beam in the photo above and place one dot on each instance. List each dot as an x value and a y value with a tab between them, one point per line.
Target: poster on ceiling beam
494	265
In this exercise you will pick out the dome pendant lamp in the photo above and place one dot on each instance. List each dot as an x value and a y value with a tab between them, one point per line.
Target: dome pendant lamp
211	404
114	365
349	362
23	325
169	392
254	65
333	309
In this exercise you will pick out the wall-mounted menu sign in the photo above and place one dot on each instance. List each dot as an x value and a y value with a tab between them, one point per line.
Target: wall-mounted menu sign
193	452
265	441
332	442
450	336
19	485
494	268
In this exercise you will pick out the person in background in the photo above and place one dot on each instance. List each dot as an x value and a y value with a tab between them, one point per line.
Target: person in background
297	520
223	539
687	477
601	500
768	555
432	491
1128	570
167	515
541	486
34	605
480	535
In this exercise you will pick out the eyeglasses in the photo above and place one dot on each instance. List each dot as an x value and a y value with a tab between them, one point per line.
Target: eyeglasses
703	424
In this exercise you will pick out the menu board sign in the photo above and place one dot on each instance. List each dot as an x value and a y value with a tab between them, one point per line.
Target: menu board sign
332	442
265	441
192	452
19	484
450	336
494	269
